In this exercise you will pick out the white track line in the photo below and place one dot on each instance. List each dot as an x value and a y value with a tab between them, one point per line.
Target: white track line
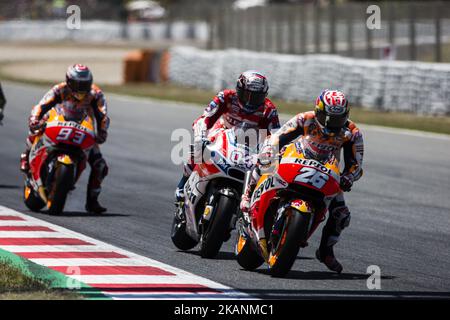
18	224
88	262
31	234
140	279
179	276
19	249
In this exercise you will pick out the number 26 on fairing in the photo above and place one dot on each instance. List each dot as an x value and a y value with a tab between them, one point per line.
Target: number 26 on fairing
66	134
313	177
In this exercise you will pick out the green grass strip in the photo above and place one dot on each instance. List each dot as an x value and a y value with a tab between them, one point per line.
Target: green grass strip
33	277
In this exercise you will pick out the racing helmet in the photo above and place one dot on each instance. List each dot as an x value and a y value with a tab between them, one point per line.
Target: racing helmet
332	111
79	79
252	88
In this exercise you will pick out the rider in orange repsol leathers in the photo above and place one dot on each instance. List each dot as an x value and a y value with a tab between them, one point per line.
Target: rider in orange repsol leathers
247	104
76	95
327	130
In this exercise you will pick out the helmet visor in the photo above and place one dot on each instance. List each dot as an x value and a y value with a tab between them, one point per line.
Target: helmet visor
251	100
80	86
334	122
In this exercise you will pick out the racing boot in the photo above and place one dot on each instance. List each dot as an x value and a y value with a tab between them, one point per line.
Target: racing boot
326	256
92	204
179	192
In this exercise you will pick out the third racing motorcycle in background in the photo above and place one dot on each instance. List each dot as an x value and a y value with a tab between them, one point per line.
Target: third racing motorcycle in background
213	192
293	199
57	159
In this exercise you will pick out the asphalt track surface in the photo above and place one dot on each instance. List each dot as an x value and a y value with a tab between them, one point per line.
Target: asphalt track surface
400	208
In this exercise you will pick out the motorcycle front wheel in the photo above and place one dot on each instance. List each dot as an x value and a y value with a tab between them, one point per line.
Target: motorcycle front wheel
283	253
62	184
218	227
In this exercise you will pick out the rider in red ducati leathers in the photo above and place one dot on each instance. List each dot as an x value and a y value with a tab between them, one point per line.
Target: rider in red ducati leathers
76	95
247	104
328	130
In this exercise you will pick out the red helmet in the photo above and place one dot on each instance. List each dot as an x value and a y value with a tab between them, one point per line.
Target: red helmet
79	79
331	111
252	88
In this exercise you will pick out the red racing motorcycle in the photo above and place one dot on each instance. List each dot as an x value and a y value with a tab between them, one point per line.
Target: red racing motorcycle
57	159
294	199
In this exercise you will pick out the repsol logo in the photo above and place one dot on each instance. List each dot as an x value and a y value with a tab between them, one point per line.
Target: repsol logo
313	163
70	124
266	185
324	147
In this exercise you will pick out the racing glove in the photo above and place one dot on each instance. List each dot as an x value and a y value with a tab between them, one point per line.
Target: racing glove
346	182
266	156
35	124
245	204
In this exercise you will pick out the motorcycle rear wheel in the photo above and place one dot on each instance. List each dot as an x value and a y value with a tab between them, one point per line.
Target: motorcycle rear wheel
295	231
61	186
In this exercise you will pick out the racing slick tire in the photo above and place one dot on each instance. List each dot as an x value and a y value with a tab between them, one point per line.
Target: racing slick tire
295	231
32	199
246	255
218	227
62	184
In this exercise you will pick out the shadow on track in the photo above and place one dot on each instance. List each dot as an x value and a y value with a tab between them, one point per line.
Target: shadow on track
92	215
10	187
324	275
87	215
229	255
287	294
220	256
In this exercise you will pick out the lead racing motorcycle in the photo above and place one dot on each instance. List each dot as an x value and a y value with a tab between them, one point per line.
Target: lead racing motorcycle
213	191
57	159
294	198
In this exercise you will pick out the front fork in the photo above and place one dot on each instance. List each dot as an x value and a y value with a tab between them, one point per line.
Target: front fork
210	206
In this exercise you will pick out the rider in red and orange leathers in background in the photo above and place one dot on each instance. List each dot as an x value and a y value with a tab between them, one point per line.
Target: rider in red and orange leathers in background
76	95
328	130
247	104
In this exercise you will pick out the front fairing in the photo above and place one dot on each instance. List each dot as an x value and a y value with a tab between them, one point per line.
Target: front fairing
231	155
79	134
295	168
